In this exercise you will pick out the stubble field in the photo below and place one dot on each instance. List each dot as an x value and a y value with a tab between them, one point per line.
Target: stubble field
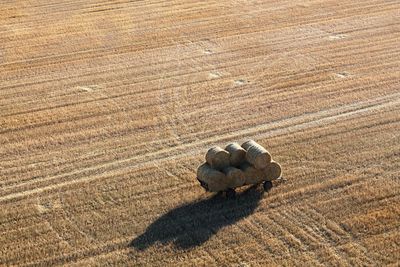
108	107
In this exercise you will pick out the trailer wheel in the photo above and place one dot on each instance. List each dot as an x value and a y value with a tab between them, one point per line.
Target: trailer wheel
230	193
267	185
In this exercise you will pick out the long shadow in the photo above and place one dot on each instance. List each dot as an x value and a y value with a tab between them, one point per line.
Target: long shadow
193	224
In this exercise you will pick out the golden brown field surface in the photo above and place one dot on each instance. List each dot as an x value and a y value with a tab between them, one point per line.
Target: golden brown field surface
108	107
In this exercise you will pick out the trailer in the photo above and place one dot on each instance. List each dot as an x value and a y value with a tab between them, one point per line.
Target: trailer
237	166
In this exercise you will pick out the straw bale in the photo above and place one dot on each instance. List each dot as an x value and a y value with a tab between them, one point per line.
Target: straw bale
272	171
237	155
258	156
235	177
252	175
216	180
249	143
217	158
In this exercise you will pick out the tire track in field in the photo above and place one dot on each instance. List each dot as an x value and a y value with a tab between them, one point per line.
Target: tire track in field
317	231
271	129
204	109
332	232
106	164
118	244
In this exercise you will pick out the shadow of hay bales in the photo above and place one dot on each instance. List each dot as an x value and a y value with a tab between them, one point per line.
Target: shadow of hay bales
193	224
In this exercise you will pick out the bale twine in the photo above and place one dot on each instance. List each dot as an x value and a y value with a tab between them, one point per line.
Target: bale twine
235	177
217	157
258	156
249	143
273	171
215	180
252	175
237	155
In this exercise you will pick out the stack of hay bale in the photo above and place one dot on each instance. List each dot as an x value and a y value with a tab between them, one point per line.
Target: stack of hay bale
236	165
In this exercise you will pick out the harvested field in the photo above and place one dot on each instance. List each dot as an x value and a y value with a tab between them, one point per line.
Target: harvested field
107	108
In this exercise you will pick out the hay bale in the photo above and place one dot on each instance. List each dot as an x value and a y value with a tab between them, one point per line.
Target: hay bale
237	155
215	180
273	171
257	155
249	143
217	158
235	177
252	175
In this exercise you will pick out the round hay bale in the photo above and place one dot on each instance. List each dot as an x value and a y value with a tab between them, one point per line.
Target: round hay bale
258	156
237	155
252	175
249	143
273	171
217	158
215	180
235	177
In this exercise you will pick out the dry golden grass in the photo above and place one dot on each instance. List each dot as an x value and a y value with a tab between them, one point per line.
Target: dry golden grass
108	107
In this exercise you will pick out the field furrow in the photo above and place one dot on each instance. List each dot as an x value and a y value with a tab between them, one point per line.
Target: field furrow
108	107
